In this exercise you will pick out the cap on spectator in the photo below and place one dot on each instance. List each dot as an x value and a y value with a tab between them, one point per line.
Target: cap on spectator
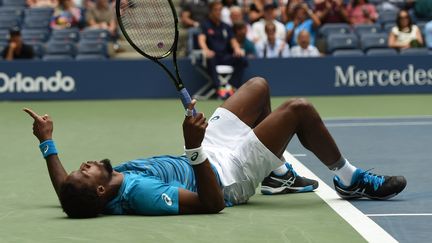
14	31
269	6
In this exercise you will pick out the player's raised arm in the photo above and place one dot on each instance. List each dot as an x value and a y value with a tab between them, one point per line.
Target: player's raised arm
43	130
210	198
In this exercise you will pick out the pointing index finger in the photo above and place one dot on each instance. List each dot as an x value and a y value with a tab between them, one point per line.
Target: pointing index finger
32	114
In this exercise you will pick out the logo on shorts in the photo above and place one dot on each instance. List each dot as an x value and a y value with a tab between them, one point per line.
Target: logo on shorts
215	118
194	156
167	199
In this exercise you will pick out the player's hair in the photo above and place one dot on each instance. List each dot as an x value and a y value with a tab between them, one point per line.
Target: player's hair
79	201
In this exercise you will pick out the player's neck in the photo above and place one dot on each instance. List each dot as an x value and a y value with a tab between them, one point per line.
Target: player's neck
114	186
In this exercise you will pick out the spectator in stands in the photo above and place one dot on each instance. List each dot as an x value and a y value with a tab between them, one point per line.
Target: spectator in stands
272	47
226	11
269	16
304	19
331	11
237	17
256	9
428	34
84	4
42	3
423	9
192	13
362	12
16	49
405	34
240	31
66	15
288	10
221	48
101	16
304	48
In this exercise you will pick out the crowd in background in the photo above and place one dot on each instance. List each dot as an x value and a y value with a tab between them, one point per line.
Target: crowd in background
283	28
63	15
229	32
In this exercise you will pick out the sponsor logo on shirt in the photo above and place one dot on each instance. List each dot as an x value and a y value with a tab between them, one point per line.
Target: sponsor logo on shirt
167	199
215	118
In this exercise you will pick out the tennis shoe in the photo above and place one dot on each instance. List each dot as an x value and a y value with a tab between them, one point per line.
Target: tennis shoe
372	186
291	182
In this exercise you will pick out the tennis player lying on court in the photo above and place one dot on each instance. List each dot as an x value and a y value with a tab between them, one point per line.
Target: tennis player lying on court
226	159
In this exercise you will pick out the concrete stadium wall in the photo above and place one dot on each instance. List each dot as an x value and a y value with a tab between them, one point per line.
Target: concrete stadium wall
131	79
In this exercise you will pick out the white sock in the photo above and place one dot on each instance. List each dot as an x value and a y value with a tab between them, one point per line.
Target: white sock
344	170
281	170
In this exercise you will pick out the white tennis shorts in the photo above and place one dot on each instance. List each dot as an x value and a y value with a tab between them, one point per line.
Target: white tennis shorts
240	158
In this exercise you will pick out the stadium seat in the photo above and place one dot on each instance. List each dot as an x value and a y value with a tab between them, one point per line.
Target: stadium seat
4	36
14	2
35	35
81	57
60	48
421	26
387	16
38	12
336	28
92	34
414	52
366	29
36	22
382	52
38	49
341	41
348	53
7	22
387	27
2	47
92	48
369	41
55	57
12	11
70	35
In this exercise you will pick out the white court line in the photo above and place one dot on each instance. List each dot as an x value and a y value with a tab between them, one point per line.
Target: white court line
398	214
378	118
365	226
377	124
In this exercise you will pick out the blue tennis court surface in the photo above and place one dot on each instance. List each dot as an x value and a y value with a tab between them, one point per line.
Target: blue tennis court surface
391	146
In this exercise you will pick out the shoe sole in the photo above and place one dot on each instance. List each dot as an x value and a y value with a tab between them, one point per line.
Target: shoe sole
266	190
353	197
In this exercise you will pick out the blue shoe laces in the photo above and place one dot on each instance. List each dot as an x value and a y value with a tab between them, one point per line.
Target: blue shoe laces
372	179
290	168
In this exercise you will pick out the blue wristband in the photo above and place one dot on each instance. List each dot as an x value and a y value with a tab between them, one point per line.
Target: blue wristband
47	148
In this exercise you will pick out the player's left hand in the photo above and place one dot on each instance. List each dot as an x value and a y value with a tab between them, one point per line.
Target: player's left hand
194	128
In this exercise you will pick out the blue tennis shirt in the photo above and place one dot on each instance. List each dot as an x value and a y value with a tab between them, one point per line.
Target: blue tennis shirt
150	186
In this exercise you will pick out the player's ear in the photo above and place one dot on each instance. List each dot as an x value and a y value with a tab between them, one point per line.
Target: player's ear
100	190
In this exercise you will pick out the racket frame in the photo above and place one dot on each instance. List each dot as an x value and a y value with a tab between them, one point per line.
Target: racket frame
173	50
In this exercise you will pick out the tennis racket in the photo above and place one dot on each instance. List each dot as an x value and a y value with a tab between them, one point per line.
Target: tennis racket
150	27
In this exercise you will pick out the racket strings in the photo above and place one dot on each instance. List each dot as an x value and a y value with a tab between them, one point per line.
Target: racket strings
149	25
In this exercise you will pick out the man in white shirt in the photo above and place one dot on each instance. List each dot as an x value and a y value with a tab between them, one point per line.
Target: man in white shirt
272	47
304	48
269	16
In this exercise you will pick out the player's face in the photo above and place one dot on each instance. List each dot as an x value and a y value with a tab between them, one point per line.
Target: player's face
93	172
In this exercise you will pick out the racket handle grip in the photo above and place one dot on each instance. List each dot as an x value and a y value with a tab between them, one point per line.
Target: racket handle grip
186	99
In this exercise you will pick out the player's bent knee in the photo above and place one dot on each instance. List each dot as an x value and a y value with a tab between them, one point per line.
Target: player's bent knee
298	105
260	83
